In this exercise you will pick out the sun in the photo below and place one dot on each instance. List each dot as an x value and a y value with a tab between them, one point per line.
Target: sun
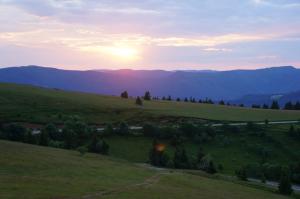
124	52
117	53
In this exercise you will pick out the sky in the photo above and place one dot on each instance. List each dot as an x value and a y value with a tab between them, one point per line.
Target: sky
150	34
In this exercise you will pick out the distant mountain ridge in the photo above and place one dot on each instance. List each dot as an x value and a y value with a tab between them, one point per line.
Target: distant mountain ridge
227	85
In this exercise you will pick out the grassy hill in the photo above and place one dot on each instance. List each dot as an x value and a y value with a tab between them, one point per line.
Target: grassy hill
34	104
29	171
231	150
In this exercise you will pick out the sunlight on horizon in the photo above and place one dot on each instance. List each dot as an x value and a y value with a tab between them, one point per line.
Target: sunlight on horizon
123	53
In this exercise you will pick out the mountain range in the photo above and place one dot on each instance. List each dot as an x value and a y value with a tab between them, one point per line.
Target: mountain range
226	85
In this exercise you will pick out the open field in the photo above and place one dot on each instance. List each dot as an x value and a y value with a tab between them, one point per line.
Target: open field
34	104
29	171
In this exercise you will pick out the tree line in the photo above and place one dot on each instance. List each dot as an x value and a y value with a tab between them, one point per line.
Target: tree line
75	134
274	105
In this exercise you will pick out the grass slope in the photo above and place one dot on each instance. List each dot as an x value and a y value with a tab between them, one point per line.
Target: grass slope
34	104
241	148
32	172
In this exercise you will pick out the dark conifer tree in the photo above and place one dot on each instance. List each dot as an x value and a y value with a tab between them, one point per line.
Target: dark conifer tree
289	106
222	102
147	96
139	101
297	106
265	106
124	94
275	105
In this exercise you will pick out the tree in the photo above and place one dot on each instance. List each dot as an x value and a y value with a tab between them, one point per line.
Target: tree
186	99
222	102
157	157
265	106
255	106
292	131
69	138
150	130
52	131
178	99
181	160
200	155
266	121
241	174
104	147
15	132
285	186
44	138
169	98
263	178
297	106
211	168
289	106
123	129
139	101
147	96
275	105
124	94
108	130
98	146
30	138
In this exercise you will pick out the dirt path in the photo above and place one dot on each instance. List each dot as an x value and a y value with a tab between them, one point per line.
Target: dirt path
145	184
221	124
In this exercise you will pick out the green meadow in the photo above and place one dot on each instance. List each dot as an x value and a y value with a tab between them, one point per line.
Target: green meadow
40	105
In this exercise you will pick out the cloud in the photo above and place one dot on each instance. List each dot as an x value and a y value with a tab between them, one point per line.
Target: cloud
217	49
279	3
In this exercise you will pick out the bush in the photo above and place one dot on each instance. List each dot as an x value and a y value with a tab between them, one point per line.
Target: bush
14	132
108	130
98	146
82	150
123	129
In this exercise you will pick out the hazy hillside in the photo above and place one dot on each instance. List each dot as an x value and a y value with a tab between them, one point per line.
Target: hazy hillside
267	99
200	84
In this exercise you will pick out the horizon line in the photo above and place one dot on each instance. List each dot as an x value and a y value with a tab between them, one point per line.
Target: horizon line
158	69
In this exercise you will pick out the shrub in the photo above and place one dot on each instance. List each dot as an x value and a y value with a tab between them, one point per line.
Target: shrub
82	150
123	129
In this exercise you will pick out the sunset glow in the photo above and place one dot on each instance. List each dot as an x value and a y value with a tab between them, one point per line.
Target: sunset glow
150	35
